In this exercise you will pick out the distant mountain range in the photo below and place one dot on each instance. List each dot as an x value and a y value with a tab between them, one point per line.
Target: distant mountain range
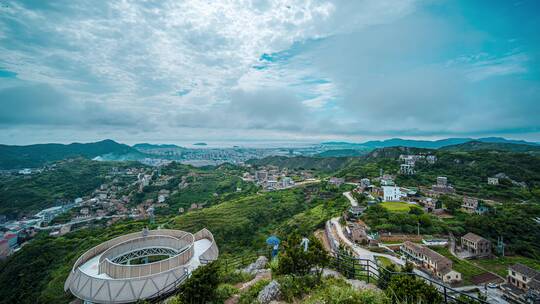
32	156
427	144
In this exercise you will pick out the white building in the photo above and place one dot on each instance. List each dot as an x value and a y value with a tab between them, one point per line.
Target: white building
25	171
49	214
365	182
286	182
391	193
406	169
493	181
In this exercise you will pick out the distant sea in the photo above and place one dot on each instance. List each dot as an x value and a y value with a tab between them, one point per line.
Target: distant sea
245	144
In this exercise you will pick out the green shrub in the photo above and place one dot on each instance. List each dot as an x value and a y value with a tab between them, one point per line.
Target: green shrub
337	291
296	286
250	296
234	277
201	285
225	291
409	289
293	259
274	266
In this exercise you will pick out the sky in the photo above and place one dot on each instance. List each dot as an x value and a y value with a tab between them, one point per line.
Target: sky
277	70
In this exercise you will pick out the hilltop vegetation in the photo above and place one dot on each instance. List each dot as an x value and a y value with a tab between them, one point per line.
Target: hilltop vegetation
192	185
244	223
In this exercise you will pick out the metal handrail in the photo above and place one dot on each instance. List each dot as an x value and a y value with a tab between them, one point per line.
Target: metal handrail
169	290
447	291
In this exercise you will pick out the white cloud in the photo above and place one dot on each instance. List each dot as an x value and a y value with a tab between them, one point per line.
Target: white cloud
341	67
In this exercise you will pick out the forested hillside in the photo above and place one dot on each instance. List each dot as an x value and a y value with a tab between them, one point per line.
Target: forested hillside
33	156
37	273
67	180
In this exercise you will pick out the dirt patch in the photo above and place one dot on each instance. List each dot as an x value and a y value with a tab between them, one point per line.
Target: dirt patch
486	277
321	236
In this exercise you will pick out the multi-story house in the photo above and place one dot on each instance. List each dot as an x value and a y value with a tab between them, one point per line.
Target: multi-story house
336	181
522	284
473	205
493	181
442	186
475	245
433	262
406	169
470	204
391	193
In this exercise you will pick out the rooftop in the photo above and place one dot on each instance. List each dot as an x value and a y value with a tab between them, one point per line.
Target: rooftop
474	237
427	252
525	270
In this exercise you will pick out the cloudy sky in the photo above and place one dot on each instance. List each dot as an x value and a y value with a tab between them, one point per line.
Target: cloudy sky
302	70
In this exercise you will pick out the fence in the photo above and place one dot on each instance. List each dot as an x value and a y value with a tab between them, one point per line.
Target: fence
350	267
364	269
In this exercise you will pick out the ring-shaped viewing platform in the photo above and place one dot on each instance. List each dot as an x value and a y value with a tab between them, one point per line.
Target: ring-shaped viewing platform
105	273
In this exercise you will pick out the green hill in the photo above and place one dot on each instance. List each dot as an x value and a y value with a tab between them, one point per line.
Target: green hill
494	146
32	156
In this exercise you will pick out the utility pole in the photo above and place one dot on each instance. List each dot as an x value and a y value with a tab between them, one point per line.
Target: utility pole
500	245
418	230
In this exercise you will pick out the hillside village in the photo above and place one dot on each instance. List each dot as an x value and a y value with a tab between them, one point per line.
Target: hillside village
386	218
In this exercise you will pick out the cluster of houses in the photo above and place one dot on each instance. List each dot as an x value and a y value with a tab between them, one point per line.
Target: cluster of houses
272	178
409	162
390	192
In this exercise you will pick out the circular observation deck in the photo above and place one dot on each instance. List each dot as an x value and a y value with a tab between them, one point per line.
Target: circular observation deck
105	273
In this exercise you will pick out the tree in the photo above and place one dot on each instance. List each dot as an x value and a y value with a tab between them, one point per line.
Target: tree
385	274
416	211
452	205
201	285
294	260
406	288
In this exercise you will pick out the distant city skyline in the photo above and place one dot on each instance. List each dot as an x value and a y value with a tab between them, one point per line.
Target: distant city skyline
298	71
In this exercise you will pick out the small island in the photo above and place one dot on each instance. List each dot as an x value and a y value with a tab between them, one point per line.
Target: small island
200	144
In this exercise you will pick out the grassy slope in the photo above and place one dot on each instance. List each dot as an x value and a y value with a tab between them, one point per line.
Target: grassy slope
245	223
500	265
396	206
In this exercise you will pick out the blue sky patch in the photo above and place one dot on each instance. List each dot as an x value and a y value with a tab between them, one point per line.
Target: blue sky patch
7	74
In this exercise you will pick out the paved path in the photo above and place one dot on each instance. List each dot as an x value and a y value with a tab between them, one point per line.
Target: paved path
349	196
494	295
